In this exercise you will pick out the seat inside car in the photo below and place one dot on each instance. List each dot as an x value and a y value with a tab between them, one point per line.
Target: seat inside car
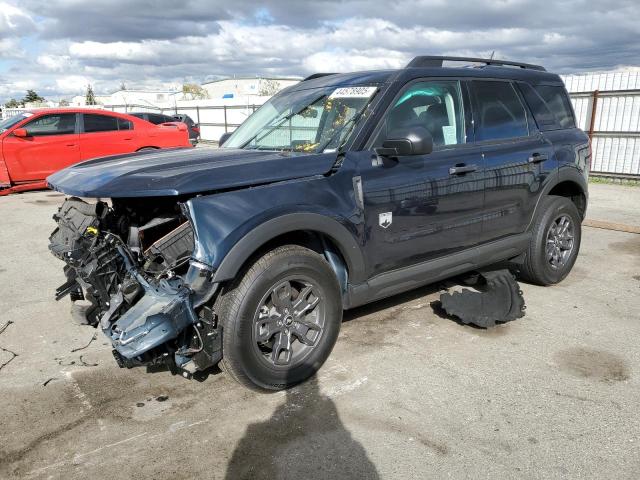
434	118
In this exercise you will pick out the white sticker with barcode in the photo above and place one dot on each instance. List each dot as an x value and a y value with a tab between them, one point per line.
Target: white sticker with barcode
353	92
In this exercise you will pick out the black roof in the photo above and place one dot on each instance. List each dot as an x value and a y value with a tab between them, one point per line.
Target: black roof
430	66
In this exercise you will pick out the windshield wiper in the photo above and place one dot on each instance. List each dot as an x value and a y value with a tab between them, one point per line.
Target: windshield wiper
351	122
280	122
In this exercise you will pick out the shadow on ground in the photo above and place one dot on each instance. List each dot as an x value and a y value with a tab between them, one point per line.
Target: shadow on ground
304	438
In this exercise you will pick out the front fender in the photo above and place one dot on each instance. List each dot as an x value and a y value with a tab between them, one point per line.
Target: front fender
230	226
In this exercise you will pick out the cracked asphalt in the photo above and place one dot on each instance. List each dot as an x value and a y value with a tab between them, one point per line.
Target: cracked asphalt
406	393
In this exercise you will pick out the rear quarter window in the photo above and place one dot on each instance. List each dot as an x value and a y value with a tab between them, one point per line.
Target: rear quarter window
558	106
99	123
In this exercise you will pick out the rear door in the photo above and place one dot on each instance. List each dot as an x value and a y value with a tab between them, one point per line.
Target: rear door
422	207
517	157
51	144
103	135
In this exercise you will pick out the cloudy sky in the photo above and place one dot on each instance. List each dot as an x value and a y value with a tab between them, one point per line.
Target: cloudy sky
59	46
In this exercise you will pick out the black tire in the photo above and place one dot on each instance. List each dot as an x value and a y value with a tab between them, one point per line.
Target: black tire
248	298
540	267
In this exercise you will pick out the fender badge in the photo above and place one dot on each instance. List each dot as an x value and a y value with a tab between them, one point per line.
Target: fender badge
385	219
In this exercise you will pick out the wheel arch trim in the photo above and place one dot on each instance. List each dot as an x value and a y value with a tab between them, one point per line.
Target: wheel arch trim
563	175
289	223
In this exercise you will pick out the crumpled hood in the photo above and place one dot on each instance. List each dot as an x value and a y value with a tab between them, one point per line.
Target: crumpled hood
184	171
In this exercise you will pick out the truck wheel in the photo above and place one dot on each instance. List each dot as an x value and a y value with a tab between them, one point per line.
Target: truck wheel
280	319
555	241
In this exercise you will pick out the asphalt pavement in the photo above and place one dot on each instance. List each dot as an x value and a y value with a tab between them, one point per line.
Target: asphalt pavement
406	394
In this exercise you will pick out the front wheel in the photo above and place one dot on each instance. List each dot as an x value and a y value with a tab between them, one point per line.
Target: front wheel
280	319
555	241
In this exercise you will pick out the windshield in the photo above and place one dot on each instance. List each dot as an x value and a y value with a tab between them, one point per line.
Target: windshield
7	123
312	121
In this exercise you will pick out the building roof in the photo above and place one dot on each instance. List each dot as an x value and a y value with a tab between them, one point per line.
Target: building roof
297	79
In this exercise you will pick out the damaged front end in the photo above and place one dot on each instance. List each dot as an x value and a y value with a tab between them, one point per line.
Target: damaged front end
129	271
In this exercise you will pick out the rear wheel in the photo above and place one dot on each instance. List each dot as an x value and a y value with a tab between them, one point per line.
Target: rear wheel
281	319
555	241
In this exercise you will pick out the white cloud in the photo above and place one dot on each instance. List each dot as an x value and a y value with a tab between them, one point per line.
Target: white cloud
13	19
79	42
54	63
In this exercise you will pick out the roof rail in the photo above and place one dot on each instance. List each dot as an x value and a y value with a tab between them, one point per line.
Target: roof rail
316	75
437	61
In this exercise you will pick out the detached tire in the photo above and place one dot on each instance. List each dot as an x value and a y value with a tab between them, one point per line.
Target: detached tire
555	241
280	319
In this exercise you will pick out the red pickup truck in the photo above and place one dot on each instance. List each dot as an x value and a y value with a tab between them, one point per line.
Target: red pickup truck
37	143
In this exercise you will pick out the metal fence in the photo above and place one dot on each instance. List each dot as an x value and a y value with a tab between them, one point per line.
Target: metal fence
214	120
612	120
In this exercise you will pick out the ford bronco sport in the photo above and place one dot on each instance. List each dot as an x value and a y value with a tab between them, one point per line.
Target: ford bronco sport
341	190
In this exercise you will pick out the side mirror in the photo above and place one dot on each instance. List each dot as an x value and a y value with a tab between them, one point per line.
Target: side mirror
223	138
407	141
20	132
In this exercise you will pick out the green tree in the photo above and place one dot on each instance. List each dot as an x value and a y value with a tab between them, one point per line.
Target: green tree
32	97
191	91
123	86
63	103
268	87
90	98
13	103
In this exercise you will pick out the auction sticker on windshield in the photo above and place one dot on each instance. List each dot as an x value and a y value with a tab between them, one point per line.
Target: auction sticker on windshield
353	92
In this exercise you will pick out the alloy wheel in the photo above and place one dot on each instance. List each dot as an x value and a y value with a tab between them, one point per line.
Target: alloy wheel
289	322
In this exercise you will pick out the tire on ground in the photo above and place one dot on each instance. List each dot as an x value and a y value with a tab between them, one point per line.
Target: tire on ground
537	268
237	306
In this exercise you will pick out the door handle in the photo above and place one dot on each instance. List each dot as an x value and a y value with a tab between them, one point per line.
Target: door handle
71	144
462	169
537	158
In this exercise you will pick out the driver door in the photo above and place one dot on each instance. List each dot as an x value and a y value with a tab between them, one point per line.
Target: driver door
50	145
421	207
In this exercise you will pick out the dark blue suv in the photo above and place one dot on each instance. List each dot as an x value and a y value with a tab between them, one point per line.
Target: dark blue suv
340	190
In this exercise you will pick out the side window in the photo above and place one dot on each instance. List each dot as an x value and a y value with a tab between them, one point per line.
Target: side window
56	124
541	113
500	114
559	104
434	105
124	124
156	119
99	123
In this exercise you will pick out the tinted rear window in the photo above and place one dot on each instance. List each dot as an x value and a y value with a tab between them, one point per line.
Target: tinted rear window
124	124
157	119
558	102
500	113
99	123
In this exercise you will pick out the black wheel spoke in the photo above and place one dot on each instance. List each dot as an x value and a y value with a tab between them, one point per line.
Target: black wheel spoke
281	353
305	302
281	296
301	331
267	327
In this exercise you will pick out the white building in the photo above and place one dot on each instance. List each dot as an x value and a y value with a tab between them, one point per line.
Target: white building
247	86
140	98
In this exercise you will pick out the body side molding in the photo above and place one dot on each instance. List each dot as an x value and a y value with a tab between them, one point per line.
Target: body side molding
401	280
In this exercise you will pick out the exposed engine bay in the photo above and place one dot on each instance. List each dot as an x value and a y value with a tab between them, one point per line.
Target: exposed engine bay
129	272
